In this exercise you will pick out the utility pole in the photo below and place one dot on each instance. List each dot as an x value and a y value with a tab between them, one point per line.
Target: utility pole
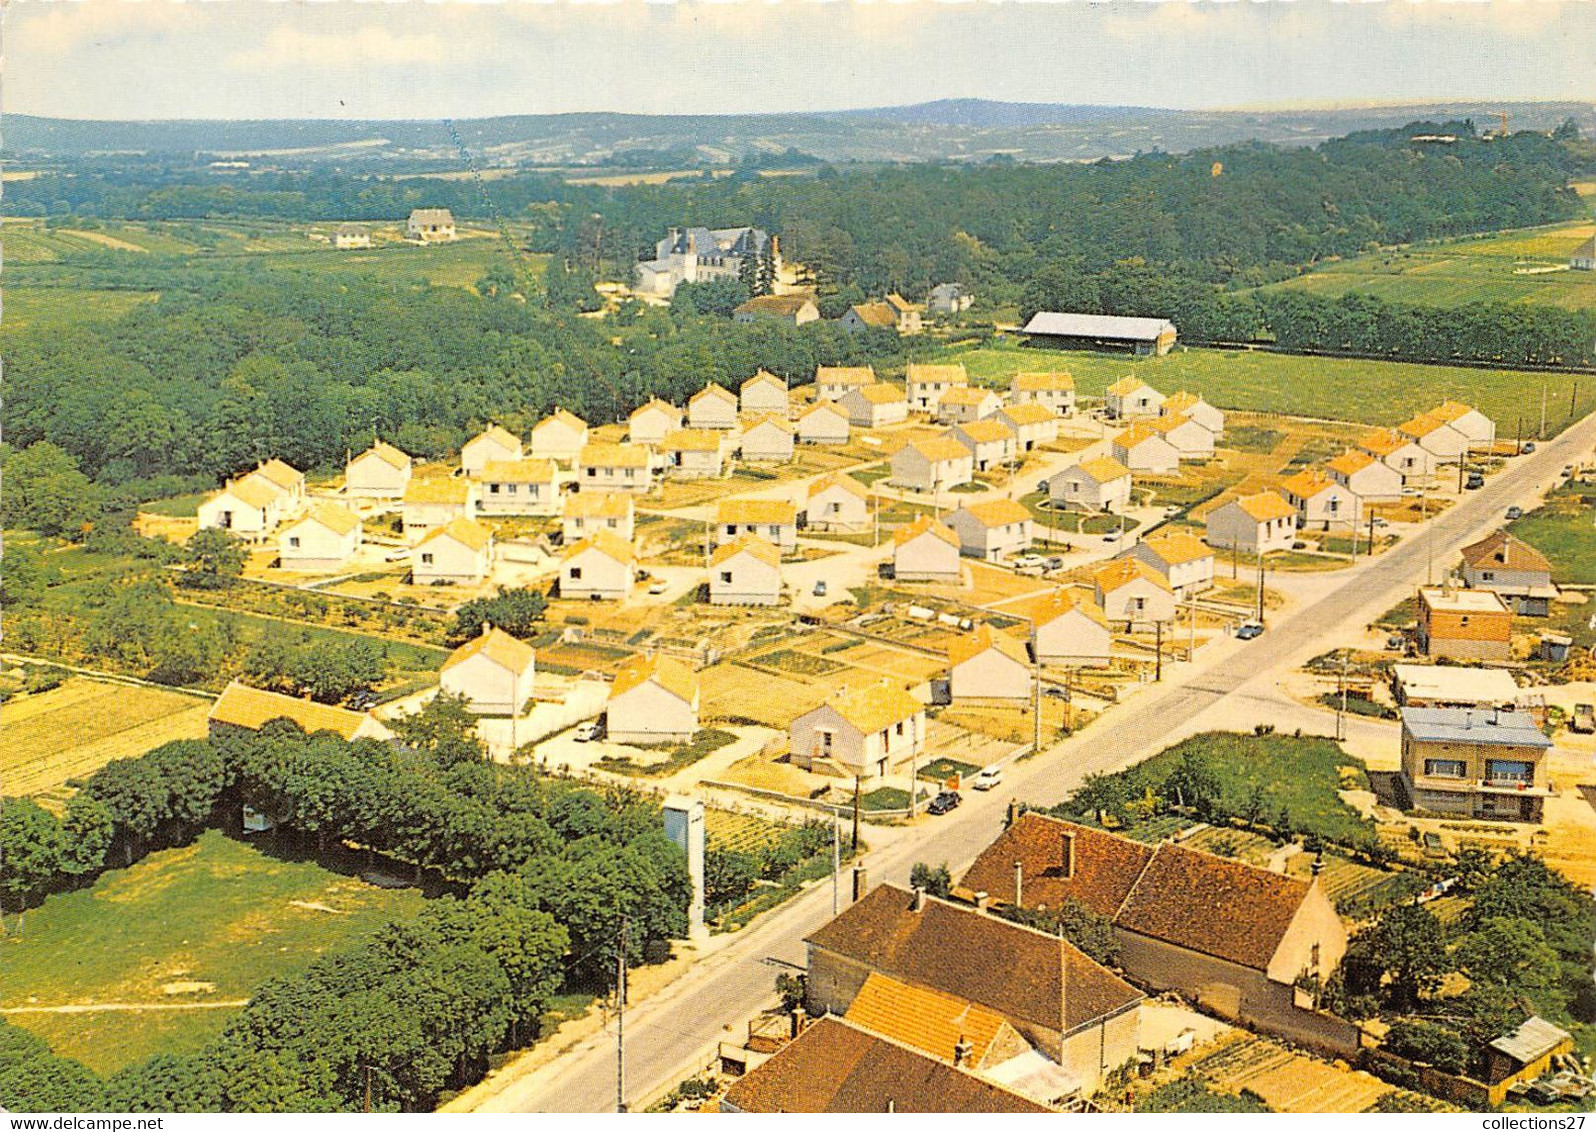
1191	621
1260	587
1518	437
1543	410
1371	532
856	813
836	863
1158	650
875	540
1341	712
1235	559
1036	694
620	1021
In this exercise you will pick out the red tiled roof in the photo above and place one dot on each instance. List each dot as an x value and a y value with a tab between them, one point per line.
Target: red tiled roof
1106	866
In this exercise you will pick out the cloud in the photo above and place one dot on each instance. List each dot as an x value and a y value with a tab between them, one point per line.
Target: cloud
292	48
61	27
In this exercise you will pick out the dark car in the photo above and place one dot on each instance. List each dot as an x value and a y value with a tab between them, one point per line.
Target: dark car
943	802
1527	447
1249	630
1515	512
1474	482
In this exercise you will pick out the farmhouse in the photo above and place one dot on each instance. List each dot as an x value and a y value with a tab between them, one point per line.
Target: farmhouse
948	299
1436	437
651	420
1320	499
1370	479
991	530
1192	405
615	467
1256	524
1454	686
768	440
988	665
908	314
1464	624
789	310
492	443
1131	397
1477	428
926	551
380	472
559	437
284	478
931	463
863	732
824	422
1142	448
585	512
1481	764
1054	390
699	255
1234	938
250	709
746	571
1129	590
694	453
1584	257
927	383
965	403
1033	423
1142	336
874	406
325	539
775	520
1191	441
247	508
990	442
430	504
1512	569
460	553
1185	563
831	382
837	503
1068	630
874	315
519	487
493	672
347	237
713	406
1399	452
1100	484
600	567
654	699
430	225
763	393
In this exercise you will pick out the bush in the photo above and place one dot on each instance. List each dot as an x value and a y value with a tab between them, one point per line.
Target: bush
1428	1044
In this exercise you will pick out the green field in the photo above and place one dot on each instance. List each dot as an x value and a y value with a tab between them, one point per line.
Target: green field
208	922
1368	392
1508	267
1564	529
52	308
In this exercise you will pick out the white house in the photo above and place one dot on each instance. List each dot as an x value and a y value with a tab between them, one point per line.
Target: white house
948	299
824	422
713	406
992	530
1189	439
1370	479
874	406
1414	463
380	472
600	567
932	463
1100	484
1257	524
1131	397
1068	629
1131	591
492	443
1584	257
348	237
988	666
432	503
1054	389
519	487
585	512
1184	562
615	467
1477	428
927	383
1142	448
832	382
990	442
651	420
559	437
1435	436
926	551
325	539
764	393
430	225
775	520
864	731
654	699
1034	424
694	453
837	503
459	552
789	310
246	508
1192	405
768	440
282	477
966	403
746	571
1320	499
493	671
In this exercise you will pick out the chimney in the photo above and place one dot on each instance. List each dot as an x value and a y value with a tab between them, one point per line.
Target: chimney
918	902
797	1020
1069	856
1468	719
892	1105
982	901
861	882
487	626
962	1050
1019	885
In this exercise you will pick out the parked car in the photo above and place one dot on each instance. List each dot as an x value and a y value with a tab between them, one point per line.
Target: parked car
1474	482
1250	630
589	731
1041	485
1583	720
944	802
658	586
989	777
1111	536
1028	561
363	701
1526	448
1054	562
1396	642
1515	512
1056	693
820	588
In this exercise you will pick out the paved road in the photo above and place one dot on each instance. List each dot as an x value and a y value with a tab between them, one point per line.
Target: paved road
667	1035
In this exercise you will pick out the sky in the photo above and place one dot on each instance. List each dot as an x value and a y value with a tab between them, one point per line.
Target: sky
135	59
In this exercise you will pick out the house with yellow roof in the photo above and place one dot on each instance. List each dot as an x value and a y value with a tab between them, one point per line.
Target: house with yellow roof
926	550
927	383
1191	441
992	530
1143	448
651	420
774	520
1188	404
1368	477
837	502
460	552
1256	524
991	443
824	422
249	709
1185	562
432	503
615	467
1033	422
875	406
832	382
1054	389
713	406
764	393
559	437
1068	629
745	571
246	508
584	512
988	665
325	539
519	487
768	440
1129	590
1321	500
1099	484
694	453
1415	464
492	443
966	403
654	699
1437	437
1477	428
493	672
910	316
602	567
932	463
283	477
867	731
873	315
380	472
789	310
1131	397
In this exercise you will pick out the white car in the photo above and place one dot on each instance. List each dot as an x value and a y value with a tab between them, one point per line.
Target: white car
587	732
988	777
658	586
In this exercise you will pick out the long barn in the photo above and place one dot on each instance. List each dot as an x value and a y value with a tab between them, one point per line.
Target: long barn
1102	332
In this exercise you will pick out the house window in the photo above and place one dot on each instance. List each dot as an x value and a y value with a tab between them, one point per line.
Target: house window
576	574
592	473
1446	768
293	542
731	530
1488	576
426	559
725	577
1510	771
630	473
510	488
493	489
900	727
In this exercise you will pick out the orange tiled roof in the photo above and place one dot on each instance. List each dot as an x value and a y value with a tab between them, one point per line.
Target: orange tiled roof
672	675
496	645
